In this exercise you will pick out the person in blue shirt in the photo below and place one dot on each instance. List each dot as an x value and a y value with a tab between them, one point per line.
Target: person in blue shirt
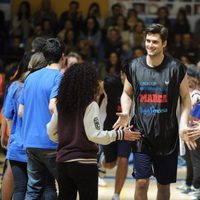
16	152
37	101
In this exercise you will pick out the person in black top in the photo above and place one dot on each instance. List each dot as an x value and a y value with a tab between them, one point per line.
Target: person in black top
155	82
117	152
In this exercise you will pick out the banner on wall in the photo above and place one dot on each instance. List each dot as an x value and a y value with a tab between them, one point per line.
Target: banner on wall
5	6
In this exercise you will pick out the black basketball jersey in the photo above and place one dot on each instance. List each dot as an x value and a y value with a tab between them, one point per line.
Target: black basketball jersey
156	93
113	87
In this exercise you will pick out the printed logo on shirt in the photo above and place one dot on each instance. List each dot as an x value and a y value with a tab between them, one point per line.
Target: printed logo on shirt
153	98
96	123
156	98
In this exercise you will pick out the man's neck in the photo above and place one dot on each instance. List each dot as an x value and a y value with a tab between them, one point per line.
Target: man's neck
154	61
54	66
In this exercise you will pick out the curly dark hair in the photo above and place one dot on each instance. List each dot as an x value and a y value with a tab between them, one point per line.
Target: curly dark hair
78	88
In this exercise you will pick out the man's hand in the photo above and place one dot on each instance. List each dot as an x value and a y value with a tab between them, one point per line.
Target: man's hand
191	144
131	135
193	132
122	121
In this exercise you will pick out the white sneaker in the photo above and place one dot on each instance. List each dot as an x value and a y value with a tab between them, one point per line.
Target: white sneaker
183	187
195	192
115	197
101	182
195	198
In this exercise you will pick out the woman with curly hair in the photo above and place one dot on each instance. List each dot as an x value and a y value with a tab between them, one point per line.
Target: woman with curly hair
76	122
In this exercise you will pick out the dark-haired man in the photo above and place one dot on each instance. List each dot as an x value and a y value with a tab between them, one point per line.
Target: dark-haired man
156	81
38	99
73	14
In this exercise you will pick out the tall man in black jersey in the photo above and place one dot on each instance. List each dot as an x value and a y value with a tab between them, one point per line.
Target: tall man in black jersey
155	82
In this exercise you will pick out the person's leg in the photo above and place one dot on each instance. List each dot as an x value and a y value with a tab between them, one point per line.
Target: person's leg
110	152
165	171
36	176
195	156
66	185
142	172
163	192
86	180
49	159
121	173
124	149
19	170
141	189
49	190
7	182
189	168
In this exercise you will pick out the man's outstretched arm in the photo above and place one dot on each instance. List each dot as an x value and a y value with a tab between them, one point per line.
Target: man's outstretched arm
126	103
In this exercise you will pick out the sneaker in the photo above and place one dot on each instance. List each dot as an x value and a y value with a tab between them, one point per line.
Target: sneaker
183	187
115	197
187	189
195	192
195	198
101	182
101	168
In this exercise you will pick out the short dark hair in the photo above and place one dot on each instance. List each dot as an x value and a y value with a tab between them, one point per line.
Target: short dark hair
38	44
76	3
116	5
157	29
53	50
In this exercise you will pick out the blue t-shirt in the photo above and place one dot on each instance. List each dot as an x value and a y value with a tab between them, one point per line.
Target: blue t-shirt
16	150
39	88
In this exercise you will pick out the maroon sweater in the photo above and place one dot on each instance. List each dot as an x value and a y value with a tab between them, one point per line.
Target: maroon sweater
73	142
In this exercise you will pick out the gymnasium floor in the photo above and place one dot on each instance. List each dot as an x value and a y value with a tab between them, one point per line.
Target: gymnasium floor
105	193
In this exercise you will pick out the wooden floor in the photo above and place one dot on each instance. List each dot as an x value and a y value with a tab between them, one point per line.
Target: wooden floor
105	193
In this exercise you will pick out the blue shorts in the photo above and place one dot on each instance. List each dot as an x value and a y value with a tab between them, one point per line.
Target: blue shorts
163	168
116	149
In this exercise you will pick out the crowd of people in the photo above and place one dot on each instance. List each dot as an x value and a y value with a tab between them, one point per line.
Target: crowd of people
76	81
93	36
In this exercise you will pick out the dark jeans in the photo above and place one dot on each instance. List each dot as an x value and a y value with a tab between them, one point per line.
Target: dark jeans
189	167
195	157
76	177
41	168
19	171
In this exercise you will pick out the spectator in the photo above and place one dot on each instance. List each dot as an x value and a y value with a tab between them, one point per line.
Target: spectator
22	23
188	48
112	43
94	11
68	25
74	15
181	24
91	32
111	20
70	40
44	13
137	35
